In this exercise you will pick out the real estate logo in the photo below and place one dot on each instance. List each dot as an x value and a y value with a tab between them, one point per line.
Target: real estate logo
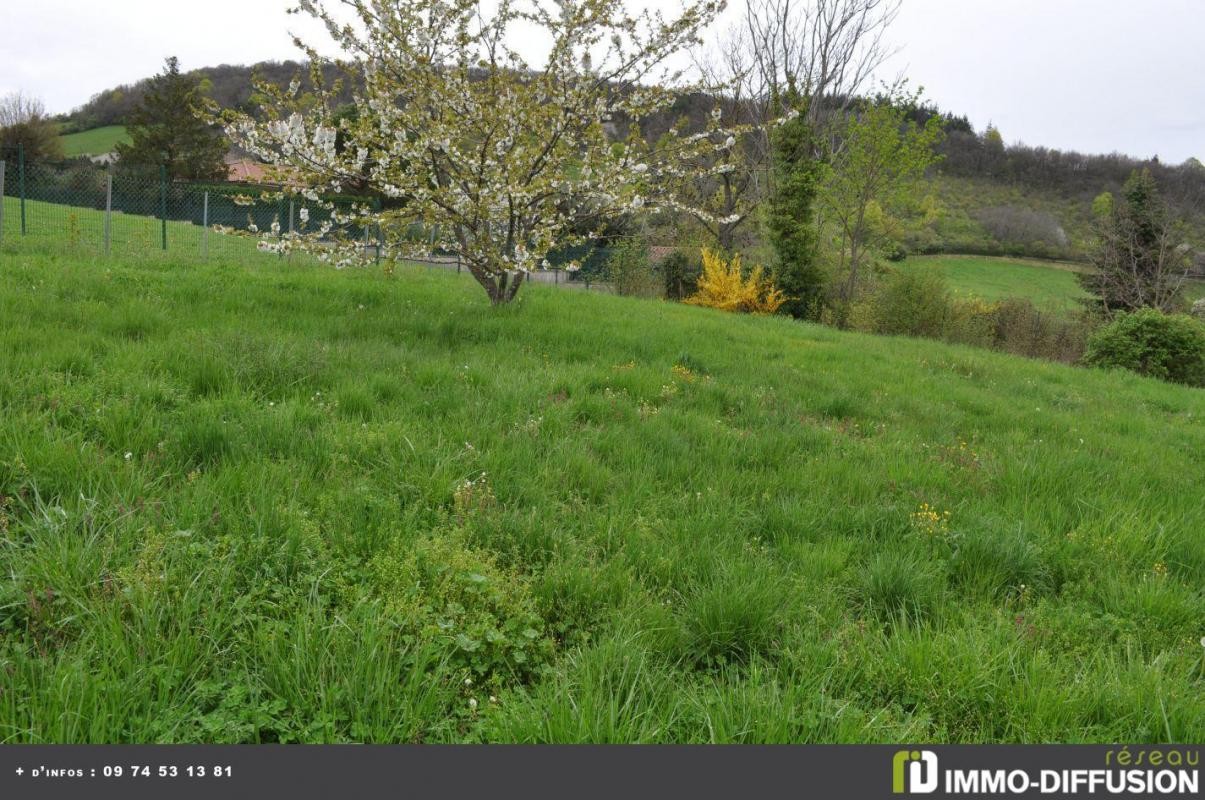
914	772
1146	772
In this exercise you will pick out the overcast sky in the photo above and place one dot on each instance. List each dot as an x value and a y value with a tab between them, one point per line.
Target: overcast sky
1090	75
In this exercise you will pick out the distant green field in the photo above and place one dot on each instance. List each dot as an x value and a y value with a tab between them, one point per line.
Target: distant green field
95	141
1049	284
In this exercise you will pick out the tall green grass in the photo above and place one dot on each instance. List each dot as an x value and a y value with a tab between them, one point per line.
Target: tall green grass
635	521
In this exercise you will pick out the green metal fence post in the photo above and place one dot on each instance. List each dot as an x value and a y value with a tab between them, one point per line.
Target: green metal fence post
108	209
3	167
21	182
205	227
289	227
163	202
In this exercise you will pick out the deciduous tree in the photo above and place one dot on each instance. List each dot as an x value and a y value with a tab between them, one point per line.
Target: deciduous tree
882	157
502	159
1140	258
823	51
813	56
25	125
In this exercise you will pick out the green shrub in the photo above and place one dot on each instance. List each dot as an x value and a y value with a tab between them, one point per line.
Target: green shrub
441	588
895	252
630	270
1170	347
912	302
1021	328
680	272
915	301
971	321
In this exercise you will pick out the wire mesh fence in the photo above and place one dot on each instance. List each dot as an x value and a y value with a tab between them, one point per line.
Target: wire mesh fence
115	210
109	209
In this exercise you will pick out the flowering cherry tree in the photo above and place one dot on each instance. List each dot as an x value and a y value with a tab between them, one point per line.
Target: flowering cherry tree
499	159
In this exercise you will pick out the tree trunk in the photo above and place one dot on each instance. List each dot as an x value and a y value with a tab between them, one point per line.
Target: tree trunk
727	231
851	285
501	287
725	237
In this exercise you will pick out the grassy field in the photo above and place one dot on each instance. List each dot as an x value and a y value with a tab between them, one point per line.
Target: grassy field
72	230
249	503
97	141
1049	284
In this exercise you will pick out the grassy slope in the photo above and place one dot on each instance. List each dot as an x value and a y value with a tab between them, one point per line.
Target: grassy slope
96	141
1048	284
213	471
961	200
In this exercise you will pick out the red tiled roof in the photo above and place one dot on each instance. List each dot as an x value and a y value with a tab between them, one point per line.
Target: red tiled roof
244	170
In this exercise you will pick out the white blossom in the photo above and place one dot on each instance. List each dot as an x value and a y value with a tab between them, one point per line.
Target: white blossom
499	162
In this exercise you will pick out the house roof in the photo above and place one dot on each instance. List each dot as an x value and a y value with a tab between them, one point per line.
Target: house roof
244	170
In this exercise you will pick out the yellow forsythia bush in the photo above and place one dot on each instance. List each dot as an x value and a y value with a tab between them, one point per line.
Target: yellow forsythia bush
724	285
